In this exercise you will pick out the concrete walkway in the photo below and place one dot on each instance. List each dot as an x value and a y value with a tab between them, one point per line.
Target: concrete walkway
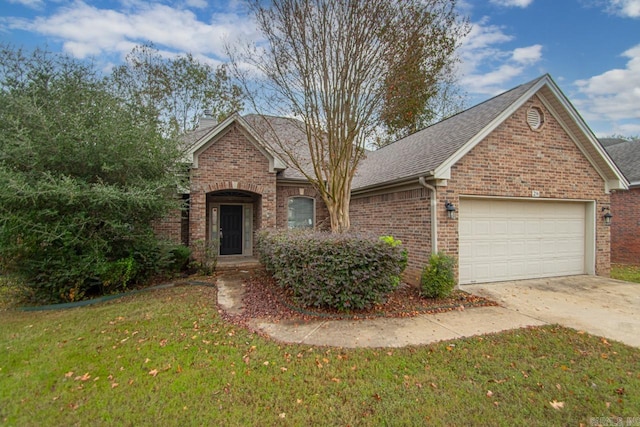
597	305
398	332
383	332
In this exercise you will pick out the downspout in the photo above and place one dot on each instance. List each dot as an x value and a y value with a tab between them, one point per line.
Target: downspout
434	214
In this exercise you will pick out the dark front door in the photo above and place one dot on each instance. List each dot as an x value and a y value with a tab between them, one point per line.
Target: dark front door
230	230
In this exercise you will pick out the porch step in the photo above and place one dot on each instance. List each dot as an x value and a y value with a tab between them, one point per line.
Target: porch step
226	263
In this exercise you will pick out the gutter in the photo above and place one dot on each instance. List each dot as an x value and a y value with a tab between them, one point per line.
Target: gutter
387	184
434	214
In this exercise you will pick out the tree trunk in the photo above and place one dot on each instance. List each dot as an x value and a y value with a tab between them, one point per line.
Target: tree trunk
338	206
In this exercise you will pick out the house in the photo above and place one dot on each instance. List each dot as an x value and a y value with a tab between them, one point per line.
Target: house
625	205
515	187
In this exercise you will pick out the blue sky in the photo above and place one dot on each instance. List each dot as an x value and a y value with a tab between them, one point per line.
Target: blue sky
591	48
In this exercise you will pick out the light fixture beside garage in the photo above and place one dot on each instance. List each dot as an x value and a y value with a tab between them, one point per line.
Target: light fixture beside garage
607	216
451	210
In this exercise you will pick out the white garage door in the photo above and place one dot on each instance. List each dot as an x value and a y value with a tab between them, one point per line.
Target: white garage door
509	240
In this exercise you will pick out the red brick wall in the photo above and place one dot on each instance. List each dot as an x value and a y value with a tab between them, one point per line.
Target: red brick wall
515	160
625	227
511	162
284	191
231	163
404	215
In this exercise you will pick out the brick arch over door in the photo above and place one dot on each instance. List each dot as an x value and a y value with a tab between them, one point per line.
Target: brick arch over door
234	185
264	210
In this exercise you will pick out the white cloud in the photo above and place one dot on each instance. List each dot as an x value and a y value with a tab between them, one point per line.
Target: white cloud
486	67
87	30
512	3
32	4
614	95
527	55
628	8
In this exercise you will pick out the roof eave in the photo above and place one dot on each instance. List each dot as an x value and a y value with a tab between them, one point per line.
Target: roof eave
275	163
392	184
613	177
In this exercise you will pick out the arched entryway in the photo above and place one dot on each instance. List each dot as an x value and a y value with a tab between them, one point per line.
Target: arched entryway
232	217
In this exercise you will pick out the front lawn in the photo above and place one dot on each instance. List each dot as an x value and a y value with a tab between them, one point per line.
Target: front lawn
628	273
167	358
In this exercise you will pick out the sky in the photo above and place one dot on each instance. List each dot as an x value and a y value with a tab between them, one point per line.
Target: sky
591	48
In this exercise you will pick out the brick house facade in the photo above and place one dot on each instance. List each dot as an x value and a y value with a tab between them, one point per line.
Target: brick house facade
625	205
625	227
524	151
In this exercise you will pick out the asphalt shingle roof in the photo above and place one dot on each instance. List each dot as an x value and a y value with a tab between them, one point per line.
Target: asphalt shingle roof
424	151
415	155
626	154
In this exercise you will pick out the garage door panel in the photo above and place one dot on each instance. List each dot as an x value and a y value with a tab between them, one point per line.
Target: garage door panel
517	227
509	240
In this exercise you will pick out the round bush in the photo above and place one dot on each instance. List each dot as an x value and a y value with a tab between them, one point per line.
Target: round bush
437	279
340	271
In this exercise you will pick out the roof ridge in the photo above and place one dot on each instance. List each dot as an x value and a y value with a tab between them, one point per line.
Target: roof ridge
473	107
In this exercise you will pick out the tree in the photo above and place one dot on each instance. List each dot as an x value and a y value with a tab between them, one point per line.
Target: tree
342	67
177	89
445	98
82	177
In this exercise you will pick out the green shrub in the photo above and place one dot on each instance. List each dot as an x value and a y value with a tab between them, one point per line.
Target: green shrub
179	258
118	274
339	271
437	279
83	175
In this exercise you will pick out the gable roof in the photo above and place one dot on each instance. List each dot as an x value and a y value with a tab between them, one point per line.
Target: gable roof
429	153
626	154
199	140
432	152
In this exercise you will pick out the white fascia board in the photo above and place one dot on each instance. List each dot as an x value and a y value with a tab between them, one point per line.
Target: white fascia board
275	163
615	184
444	170
618	181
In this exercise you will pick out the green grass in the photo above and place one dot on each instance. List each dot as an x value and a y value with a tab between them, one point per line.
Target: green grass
166	358
628	273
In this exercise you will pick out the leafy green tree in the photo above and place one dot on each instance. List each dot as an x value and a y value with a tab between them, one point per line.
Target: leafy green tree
82	177
178	90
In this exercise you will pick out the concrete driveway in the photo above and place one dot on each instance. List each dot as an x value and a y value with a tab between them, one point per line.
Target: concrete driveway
597	305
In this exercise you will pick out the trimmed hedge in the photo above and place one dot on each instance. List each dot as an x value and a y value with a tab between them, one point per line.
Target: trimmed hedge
339	271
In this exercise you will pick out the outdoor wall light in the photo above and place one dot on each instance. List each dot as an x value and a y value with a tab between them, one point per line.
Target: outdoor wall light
607	217
451	210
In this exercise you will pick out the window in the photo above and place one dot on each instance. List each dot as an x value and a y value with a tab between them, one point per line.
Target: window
301	212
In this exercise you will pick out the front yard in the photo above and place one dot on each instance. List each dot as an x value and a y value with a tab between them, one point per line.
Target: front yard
166	357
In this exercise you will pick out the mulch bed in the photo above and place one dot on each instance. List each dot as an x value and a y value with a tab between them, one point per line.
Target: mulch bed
264	299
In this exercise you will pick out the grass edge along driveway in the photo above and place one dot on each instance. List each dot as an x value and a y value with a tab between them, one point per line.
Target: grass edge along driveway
167	357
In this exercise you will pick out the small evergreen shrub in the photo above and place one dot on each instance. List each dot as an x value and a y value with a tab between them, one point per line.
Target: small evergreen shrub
437	279
339	271
179	258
